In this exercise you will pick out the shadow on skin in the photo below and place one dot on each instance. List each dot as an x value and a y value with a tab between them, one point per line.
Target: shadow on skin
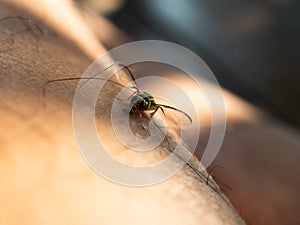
47	181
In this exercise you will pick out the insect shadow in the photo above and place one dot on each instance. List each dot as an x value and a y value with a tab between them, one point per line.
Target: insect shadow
140	103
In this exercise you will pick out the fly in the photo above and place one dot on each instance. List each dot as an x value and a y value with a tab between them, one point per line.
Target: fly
141	102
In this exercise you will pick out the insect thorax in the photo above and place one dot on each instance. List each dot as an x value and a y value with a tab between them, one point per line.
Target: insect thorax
140	102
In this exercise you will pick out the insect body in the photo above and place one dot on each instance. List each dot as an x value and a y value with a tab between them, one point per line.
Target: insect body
143	101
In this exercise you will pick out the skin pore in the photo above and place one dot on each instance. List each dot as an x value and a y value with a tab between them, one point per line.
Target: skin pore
46	179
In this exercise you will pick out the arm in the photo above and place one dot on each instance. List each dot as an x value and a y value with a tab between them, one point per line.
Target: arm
47	181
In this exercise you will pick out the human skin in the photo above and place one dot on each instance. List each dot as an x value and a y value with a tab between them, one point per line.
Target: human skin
48	181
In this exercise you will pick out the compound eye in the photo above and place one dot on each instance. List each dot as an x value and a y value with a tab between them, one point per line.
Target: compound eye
146	103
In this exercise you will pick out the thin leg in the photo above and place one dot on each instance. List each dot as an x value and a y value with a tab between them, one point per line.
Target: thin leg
131	75
152	114
162	110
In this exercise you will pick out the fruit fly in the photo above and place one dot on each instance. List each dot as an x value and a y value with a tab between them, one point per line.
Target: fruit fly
139	101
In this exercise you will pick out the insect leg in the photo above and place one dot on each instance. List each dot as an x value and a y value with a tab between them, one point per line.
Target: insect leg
178	110
162	110
131	75
157	107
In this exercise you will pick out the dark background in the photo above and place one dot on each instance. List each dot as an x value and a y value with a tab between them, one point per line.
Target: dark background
251	46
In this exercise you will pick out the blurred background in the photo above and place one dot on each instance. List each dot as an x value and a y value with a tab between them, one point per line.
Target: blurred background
253	49
251	46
